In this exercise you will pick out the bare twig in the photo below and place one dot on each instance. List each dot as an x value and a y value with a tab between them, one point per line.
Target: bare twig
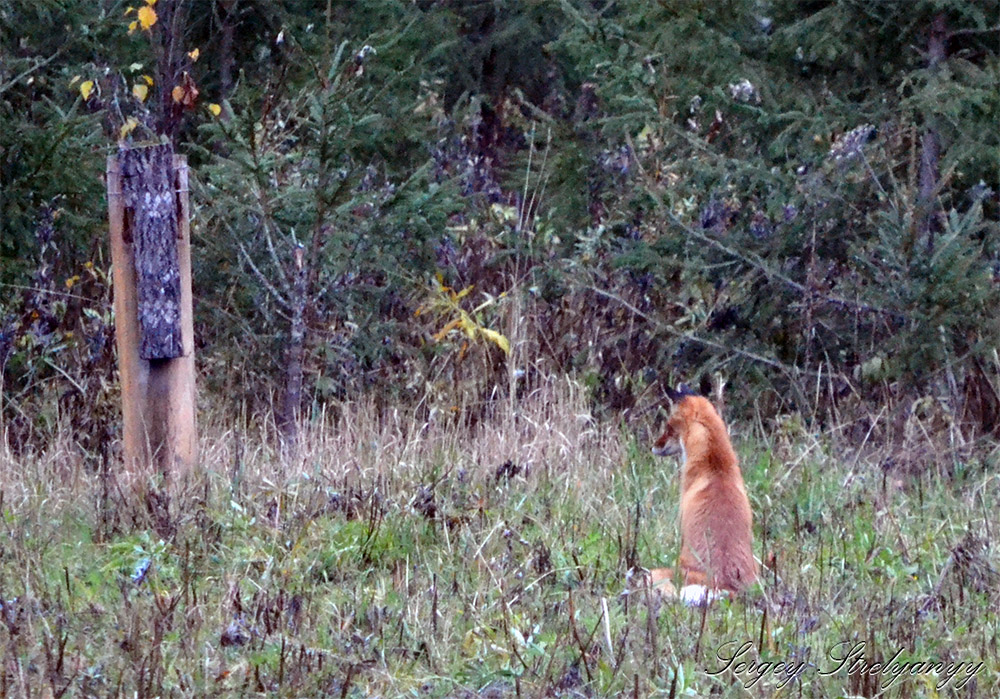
659	324
972	30
262	278
607	627
282	277
28	71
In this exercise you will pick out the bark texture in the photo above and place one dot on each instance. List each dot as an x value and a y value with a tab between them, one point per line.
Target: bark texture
930	149
295	354
149	192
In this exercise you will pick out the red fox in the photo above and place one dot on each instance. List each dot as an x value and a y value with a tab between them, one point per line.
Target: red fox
716	522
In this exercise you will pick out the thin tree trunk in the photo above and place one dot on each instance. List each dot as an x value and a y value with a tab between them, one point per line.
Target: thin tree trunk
169	29
294	355
226	58
930	149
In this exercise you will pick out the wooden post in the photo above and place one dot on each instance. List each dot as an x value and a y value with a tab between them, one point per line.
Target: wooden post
154	327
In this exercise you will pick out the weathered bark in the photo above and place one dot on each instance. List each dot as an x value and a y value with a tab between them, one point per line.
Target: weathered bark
148	191
294	354
930	149
171	59
226	58
159	433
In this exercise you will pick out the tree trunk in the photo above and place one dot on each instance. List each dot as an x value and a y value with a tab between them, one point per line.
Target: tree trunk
169	30
294	354
226	58
930	149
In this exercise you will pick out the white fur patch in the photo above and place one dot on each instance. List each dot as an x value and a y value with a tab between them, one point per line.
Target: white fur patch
699	595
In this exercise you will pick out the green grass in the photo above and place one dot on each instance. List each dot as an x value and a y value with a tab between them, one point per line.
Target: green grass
394	557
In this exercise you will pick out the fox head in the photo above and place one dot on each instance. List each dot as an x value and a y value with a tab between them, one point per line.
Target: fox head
671	440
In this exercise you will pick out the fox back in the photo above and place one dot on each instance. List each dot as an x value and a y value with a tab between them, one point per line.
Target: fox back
716	522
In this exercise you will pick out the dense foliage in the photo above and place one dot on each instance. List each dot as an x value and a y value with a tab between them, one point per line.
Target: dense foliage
447	256
800	198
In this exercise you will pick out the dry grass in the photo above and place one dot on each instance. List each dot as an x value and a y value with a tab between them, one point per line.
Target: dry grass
405	556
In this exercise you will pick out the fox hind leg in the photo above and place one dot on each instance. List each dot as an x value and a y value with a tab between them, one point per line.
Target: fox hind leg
658	580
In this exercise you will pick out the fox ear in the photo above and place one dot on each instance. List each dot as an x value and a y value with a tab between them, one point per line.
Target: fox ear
705	385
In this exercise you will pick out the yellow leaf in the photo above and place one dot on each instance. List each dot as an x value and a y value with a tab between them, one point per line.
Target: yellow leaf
150	2
129	10
127	127
140	92
193	55
177	93
86	87
73	81
464	292
132	26
149	80
645	137
504	213
440	334
215	109
496	338
468	325
147	17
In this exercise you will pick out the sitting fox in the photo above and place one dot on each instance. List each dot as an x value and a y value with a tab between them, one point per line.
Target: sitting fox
716	523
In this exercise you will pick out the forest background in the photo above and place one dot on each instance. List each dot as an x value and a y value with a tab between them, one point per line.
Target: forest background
473	214
800	195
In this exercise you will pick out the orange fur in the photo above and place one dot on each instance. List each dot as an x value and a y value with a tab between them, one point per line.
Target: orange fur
716	522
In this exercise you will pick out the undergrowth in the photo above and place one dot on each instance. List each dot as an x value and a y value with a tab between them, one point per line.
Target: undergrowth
392	556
